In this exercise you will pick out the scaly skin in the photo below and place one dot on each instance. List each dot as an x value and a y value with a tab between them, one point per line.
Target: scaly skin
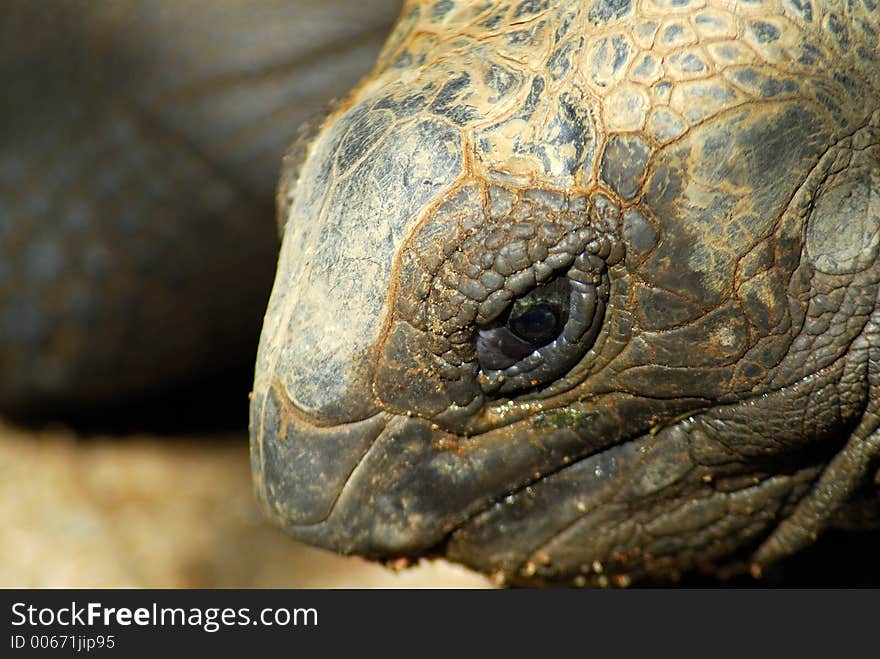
702	179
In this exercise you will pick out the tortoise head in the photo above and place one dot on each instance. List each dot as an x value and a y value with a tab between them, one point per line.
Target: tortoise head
576	292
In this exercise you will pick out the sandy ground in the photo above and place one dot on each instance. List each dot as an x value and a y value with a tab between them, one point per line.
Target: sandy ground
148	512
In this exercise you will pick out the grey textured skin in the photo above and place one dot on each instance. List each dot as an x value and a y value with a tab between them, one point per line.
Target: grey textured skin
140	146
705	175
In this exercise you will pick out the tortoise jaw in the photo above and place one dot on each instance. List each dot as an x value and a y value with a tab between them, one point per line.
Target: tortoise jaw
301	467
371	487
392	485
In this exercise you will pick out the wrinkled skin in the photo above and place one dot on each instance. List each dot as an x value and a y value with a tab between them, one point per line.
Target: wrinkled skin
701	181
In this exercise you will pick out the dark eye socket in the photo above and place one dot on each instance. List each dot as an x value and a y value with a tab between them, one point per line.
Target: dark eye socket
530	322
538	325
538	317
542	334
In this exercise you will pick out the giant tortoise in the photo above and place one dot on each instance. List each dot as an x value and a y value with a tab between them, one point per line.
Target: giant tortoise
583	291
571	292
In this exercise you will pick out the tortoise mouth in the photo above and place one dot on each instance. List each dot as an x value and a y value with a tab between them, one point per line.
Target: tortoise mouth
392	485
300	466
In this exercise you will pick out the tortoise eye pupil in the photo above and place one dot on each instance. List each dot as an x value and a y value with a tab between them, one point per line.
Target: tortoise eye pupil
538	325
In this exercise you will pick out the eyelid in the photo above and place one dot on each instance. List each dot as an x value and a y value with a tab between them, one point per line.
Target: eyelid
500	349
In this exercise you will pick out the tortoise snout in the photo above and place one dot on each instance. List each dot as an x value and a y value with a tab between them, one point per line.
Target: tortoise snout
374	487
300	466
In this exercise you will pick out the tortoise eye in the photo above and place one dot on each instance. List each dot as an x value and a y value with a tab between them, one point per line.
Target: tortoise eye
542	334
538	325
529	323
